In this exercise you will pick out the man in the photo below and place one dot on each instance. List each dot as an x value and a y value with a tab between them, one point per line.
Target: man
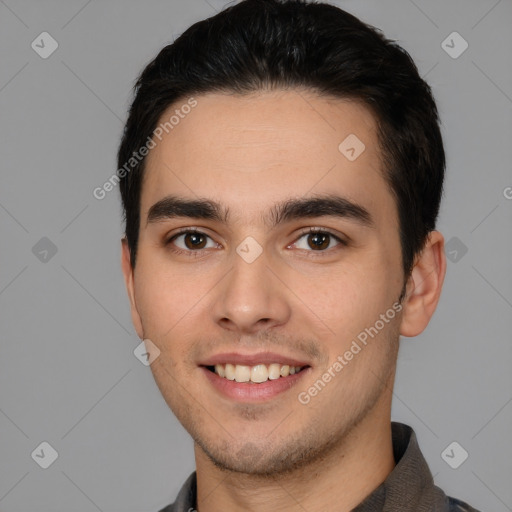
281	173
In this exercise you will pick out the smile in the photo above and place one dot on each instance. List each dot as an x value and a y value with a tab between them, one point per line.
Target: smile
256	374
253	384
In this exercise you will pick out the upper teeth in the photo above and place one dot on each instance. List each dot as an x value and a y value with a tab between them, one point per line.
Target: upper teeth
258	373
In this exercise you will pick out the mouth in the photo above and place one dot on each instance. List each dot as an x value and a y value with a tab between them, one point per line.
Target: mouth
256	374
254	378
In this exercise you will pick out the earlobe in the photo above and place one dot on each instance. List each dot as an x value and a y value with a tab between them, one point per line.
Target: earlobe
130	288
424	286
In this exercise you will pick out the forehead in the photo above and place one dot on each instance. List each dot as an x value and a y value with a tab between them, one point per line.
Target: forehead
250	151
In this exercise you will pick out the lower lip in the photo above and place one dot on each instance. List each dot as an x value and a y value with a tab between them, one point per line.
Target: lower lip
253	392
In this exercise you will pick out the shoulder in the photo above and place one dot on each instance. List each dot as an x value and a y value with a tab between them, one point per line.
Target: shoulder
456	505
186	499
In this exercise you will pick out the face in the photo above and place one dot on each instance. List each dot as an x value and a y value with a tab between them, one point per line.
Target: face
289	257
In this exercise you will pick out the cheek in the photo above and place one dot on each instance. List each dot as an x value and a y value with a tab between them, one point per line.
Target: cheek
171	304
162	298
348	299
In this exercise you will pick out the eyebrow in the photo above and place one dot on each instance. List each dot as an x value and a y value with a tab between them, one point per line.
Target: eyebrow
292	209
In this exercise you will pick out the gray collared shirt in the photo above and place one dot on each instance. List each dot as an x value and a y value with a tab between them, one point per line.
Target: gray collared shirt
409	487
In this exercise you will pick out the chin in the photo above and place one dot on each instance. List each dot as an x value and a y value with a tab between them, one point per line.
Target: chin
265	460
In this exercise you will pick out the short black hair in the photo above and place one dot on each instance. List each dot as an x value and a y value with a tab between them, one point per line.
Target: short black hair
258	45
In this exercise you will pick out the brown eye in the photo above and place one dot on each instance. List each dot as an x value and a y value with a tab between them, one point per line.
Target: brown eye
190	241
194	240
318	240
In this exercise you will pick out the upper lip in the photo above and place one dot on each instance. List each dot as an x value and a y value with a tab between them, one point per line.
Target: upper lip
252	359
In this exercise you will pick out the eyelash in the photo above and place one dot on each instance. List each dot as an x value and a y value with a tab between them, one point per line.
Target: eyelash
198	253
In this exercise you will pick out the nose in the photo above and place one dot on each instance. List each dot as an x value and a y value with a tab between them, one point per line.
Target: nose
251	298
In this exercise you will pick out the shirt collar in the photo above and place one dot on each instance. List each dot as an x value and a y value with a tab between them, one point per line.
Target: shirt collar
410	485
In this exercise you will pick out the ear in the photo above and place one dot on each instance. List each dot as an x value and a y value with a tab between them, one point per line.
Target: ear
128	280
424	286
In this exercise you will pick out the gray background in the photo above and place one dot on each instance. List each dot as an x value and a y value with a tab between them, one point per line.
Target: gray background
68	374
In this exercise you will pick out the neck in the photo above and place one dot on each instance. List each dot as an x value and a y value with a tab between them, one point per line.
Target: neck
341	480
